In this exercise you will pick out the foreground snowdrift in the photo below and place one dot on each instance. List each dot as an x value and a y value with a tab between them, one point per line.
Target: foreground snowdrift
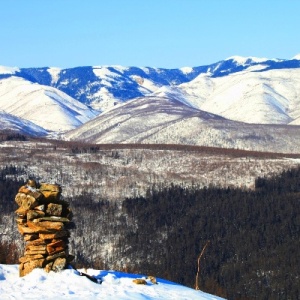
69	285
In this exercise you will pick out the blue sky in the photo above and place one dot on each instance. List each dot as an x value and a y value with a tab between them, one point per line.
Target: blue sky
156	33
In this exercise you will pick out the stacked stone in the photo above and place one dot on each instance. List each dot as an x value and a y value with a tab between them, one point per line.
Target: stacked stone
42	218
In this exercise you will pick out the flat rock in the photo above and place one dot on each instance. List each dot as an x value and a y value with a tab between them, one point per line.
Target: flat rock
34	214
35	248
28	258
55	235
55	247
25	229
30	191
45	226
36	242
54	219
35	252
56	255
30	237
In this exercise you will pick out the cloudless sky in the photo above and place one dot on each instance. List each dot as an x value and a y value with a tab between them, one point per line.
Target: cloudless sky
156	33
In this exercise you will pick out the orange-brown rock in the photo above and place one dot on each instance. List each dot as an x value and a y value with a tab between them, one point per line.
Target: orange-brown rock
21	212
30	191
25	229
26	201
55	235
27	267
50	196
55	247
35	248
50	191
36	242
45	226
34	252
24	259
139	281
31	237
49	187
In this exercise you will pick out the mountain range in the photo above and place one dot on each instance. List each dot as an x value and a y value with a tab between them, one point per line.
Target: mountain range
240	102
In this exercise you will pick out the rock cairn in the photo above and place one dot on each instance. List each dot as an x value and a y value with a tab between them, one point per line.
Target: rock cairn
42	219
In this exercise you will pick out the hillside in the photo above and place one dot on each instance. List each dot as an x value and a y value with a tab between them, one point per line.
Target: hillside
252	234
161	120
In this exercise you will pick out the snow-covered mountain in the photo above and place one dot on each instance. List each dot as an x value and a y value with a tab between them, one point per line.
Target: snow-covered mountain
164	120
141	120
251	96
45	106
103	86
244	89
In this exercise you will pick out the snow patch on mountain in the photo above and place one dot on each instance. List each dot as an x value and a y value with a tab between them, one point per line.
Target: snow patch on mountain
54	73
186	70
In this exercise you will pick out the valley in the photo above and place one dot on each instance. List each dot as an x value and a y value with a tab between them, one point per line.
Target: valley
115	172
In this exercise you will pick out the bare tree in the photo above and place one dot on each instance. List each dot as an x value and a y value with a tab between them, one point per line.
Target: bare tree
198	270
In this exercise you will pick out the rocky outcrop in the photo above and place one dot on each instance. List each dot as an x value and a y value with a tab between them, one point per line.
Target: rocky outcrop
43	220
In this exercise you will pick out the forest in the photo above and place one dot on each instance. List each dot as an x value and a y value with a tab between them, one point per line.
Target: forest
252	236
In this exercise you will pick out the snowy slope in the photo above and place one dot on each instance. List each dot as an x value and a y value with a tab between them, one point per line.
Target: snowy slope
45	106
137	121
161	120
270	97
9	122
69	285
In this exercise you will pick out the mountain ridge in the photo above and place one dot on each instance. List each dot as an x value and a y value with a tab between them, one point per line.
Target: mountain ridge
239	89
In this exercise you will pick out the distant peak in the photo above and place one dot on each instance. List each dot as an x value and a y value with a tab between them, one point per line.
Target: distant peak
241	60
297	57
8	70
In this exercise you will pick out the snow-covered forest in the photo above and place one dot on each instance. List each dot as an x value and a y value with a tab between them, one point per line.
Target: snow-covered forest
151	209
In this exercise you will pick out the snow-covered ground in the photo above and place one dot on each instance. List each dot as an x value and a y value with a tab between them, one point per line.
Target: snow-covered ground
69	285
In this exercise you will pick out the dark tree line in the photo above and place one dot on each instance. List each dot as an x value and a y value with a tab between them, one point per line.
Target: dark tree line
254	235
12	136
